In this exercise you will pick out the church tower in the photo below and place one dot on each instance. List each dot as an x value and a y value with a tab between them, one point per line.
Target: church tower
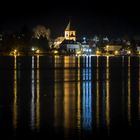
70	34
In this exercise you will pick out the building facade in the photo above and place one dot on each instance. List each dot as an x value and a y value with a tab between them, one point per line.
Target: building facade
70	34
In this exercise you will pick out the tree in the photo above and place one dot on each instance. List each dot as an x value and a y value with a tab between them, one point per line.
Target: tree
41	31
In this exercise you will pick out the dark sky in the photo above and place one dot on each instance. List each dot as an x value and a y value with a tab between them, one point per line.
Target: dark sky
114	18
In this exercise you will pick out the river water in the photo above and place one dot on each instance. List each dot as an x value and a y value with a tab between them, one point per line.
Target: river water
68	97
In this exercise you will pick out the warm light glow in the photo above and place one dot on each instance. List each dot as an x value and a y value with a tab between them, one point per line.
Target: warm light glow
107	46
107	61
78	67
38	51
78	96
78	52
128	52
66	61
70	34
98	52
116	52
78	105
15	51
69	61
55	52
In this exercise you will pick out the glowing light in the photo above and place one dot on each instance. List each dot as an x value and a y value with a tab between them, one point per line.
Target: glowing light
84	38
38	51
107	47
78	52
116	52
55	52
14	52
128	52
107	62
98	52
33	49
90	50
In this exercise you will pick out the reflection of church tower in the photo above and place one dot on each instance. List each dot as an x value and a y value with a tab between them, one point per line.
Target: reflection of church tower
70	34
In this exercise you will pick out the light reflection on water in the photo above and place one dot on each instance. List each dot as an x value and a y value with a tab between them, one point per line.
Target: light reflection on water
38	96
81	94
87	99
97	94
129	90
139	89
35	95
15	106
107	111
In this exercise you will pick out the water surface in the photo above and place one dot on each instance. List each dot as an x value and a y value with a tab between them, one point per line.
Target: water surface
69	97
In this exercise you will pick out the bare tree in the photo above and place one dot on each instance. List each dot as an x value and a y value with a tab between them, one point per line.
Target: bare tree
41	31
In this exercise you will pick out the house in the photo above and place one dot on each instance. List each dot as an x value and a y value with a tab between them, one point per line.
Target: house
113	49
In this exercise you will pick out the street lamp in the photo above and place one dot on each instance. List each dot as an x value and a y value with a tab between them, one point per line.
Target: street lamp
33	49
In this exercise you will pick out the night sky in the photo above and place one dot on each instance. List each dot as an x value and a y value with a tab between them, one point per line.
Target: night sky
114	18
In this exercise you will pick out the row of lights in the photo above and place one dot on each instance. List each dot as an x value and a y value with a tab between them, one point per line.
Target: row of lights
16	52
37	51
98	52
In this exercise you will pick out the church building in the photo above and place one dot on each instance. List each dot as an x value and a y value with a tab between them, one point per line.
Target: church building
69	33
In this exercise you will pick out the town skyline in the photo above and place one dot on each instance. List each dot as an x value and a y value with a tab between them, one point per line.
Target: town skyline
83	29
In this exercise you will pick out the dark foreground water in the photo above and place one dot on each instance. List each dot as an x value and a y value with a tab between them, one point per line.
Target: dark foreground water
69	97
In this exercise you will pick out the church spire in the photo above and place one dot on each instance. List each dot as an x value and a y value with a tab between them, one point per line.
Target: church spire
68	27
70	34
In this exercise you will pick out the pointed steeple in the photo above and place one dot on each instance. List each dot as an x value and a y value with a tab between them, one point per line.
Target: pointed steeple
69	33
68	27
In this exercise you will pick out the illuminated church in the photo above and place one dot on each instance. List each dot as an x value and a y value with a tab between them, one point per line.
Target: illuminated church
70	34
